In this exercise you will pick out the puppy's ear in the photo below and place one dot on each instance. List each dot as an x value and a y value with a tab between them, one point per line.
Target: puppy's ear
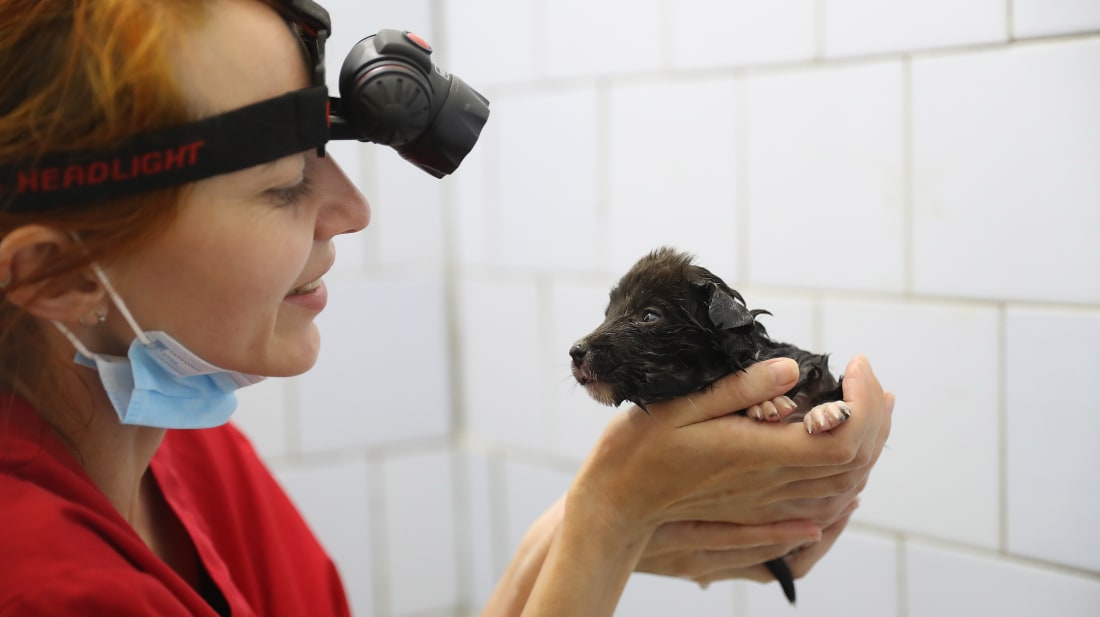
725	312
723	308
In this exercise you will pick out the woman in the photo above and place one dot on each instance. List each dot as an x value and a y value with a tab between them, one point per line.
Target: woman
109	508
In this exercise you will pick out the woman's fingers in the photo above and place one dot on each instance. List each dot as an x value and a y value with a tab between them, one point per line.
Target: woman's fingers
695	550
801	561
762	381
706	535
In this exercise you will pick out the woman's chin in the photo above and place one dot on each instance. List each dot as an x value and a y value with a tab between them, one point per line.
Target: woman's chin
290	356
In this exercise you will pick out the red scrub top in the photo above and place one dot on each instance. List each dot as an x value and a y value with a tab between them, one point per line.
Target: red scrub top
65	550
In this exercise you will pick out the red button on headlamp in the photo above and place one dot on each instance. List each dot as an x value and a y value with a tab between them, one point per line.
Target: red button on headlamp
419	42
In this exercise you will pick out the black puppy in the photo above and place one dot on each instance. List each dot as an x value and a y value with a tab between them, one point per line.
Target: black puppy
672	328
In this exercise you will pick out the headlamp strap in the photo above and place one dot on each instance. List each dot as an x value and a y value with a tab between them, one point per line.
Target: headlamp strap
235	140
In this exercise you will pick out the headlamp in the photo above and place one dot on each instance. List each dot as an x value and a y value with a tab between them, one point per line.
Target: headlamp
390	93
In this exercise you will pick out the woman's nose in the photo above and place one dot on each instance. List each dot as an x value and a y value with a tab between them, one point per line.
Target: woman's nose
343	208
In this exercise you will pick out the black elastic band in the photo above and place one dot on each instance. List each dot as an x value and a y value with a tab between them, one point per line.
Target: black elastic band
238	139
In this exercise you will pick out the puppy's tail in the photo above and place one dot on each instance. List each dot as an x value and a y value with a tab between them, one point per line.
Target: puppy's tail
782	573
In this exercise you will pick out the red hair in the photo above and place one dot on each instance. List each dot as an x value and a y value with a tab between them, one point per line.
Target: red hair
83	75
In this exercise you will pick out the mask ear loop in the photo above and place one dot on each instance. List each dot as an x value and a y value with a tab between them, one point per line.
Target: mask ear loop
119	304
117	299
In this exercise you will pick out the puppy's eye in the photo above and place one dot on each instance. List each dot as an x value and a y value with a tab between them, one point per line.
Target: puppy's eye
651	316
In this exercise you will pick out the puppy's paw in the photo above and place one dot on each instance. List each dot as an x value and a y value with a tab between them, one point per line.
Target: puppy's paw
774	410
827	416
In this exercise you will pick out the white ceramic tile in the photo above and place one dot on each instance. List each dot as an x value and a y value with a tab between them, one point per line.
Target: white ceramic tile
857	578
938	474
1045	17
942	582
704	33
792	317
489	41
467	194
529	490
546	180
659	596
382	375
1053	423
873	26
583	38
576	310
353	20
408	213
482	565
333	500
351	156
1005	150
419	504
499	346
825	178
672	167
262	415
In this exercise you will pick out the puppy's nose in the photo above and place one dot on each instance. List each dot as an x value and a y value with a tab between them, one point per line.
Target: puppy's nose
577	352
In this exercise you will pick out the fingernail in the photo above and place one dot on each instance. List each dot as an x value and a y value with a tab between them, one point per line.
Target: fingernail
783	370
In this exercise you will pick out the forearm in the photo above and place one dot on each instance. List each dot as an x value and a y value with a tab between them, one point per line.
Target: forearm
588	564
569	562
514	587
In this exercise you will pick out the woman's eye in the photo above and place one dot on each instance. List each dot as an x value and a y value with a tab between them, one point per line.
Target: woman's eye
291	195
650	317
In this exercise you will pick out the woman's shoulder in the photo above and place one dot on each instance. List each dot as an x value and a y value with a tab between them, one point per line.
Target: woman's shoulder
53	525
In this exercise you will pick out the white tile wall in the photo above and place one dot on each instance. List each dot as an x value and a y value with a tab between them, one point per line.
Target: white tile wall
946	582
673	170
858	578
873	26
489	42
481	550
576	310
332	496
382	375
1052	357
407	213
582	38
418	501
262	415
352	20
529	490
540	135
939	472
1005	151
500	365
467	197
793	317
1043	17
704	33
825	169
653	596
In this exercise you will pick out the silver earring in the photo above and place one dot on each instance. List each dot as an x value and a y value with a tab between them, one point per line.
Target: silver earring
99	318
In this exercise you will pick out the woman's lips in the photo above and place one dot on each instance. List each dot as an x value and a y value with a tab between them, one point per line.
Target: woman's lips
304	289
312	296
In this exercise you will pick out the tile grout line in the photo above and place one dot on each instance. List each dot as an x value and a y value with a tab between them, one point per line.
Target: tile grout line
1002	428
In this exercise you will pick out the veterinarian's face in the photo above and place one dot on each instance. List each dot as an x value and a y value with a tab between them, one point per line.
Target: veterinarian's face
237	278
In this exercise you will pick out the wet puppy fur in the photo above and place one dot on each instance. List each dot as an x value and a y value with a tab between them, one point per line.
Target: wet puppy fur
672	328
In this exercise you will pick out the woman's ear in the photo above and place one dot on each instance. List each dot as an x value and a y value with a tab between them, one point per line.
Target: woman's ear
27	250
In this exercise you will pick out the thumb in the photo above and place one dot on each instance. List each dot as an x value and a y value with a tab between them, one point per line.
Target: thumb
760	382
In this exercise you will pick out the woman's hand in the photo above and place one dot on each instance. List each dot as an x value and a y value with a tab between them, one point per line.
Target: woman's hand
711	551
689	460
687	489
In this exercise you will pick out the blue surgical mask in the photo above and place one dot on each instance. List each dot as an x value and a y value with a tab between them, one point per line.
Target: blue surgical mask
161	383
